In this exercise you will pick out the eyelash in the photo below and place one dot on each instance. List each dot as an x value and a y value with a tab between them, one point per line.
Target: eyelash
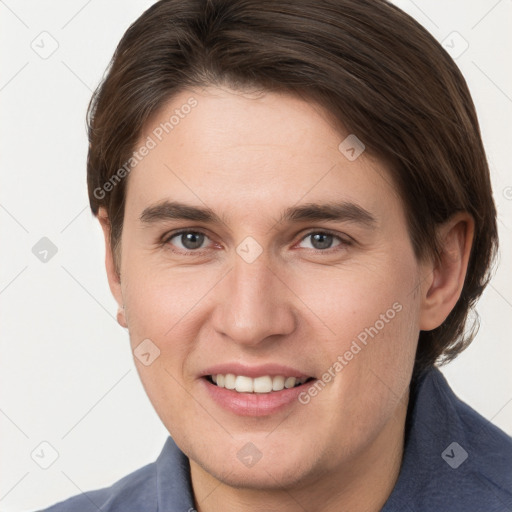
168	237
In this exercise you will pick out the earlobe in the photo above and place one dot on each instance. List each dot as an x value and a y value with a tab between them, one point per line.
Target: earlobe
113	276
121	318
443	288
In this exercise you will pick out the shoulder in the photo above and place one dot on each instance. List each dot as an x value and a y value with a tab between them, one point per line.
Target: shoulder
454	458
151	488
488	449
134	492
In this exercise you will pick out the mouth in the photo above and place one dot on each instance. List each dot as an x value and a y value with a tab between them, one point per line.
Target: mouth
255	390
257	385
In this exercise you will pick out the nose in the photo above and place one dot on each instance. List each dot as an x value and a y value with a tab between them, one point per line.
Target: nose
255	304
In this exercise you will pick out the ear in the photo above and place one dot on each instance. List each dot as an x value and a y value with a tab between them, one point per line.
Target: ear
444	286
113	276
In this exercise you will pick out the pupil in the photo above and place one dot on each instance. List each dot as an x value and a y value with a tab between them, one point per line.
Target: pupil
192	240
323	243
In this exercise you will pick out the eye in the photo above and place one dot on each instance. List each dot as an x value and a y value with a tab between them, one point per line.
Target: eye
192	241
323	240
187	240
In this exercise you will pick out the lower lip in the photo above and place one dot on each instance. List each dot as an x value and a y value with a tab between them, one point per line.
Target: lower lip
254	404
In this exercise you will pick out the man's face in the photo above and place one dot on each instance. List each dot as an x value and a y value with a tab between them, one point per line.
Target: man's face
259	293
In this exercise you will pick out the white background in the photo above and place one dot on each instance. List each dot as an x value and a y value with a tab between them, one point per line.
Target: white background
67	375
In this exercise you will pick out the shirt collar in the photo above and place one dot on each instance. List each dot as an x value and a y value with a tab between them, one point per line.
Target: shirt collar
174	487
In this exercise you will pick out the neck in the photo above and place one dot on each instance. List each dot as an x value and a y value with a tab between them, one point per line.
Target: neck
363	485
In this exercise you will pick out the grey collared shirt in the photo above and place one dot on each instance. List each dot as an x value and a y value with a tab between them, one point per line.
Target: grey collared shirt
454	461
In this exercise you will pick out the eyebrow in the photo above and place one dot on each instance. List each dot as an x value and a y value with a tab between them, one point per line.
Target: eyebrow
339	211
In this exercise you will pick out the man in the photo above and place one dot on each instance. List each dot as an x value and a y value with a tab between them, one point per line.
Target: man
298	219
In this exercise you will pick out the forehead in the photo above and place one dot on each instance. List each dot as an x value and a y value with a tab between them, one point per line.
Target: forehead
239	153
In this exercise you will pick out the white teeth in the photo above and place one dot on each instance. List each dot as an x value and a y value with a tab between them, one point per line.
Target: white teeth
278	383
244	384
229	381
263	384
289	382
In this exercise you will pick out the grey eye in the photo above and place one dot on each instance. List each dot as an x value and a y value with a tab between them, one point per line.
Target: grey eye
190	240
321	241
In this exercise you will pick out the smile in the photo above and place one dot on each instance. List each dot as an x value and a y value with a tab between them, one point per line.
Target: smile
262	384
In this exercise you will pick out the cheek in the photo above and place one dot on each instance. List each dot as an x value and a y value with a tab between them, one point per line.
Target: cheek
370	319
360	301
161	301
160	306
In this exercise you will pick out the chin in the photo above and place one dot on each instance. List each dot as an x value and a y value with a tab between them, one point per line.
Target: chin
279	467
266	476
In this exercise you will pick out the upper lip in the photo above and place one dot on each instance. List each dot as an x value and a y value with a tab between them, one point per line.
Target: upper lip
254	371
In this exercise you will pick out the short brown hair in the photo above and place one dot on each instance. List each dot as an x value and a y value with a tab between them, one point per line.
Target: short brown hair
373	67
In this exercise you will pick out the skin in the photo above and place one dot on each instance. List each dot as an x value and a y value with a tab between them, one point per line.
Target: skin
248	157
